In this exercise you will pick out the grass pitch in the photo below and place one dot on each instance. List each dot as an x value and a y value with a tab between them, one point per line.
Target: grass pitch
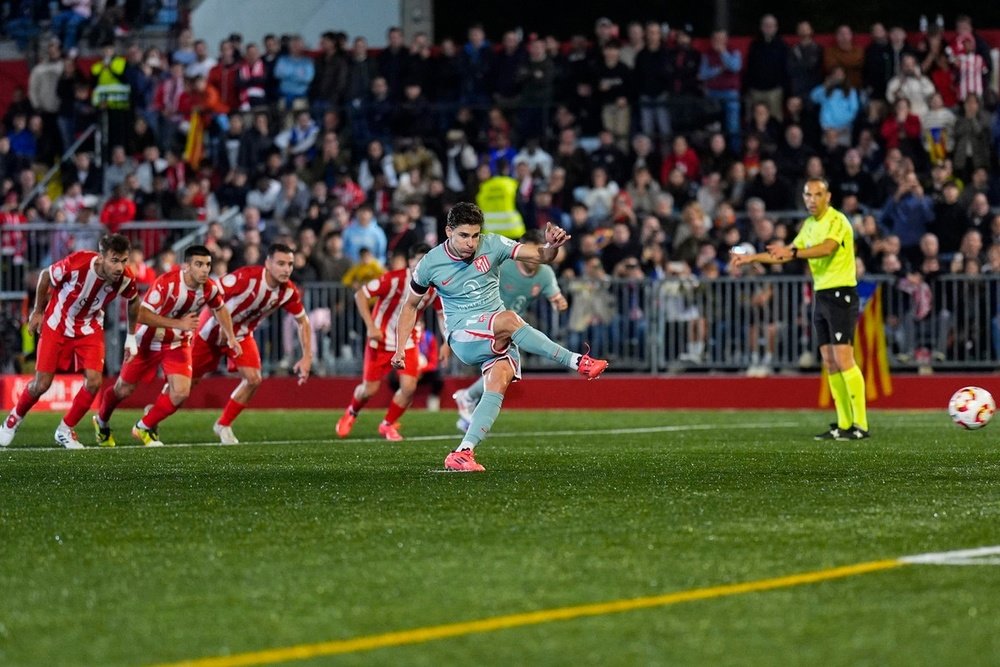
144	556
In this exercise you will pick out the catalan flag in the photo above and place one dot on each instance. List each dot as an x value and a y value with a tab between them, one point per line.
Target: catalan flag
194	148
869	347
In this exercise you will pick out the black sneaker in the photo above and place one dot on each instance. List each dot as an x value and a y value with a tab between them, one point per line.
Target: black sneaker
833	433
854	433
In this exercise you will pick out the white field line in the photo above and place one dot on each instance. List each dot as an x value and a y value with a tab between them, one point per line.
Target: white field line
979	556
435	438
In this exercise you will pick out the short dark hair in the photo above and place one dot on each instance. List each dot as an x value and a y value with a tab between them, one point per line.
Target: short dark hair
193	251
533	236
114	243
464	213
418	249
819	179
275	248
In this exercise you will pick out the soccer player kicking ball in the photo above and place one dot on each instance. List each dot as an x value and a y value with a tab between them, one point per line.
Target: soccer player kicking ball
168	317
252	293
69	314
826	240
521	283
380	320
465	270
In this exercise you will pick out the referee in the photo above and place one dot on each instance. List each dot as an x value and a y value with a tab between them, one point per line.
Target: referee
826	240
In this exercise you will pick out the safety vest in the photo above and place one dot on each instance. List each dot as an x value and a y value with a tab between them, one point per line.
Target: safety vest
498	200
110	88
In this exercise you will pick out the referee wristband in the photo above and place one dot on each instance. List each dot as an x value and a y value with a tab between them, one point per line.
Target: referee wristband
795	252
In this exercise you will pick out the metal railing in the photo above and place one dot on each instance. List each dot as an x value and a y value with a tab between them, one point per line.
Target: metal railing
760	324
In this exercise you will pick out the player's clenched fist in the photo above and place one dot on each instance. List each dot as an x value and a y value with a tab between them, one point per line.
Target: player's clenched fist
399	360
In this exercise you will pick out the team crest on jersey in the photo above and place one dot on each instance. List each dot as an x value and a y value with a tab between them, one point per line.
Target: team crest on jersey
229	280
482	263
154	297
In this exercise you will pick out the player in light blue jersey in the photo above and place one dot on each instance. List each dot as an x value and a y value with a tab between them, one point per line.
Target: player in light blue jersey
465	270
521	283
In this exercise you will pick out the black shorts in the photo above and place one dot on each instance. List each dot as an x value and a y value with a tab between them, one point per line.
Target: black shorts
836	315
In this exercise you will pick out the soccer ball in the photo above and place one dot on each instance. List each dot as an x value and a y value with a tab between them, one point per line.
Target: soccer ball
971	407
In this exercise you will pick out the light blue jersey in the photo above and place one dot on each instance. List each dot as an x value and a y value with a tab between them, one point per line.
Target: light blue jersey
467	287
518	291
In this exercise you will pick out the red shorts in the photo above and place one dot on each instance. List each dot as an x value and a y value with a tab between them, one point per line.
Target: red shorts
205	356
378	363
142	367
57	353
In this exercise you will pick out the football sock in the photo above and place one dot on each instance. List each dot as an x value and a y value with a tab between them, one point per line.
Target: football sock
532	340
81	403
355	407
475	392
394	412
24	403
841	399
231	412
855	383
162	408
482	419
109	401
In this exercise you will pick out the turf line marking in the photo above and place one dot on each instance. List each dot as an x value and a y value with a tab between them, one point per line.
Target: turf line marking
433	438
980	556
449	630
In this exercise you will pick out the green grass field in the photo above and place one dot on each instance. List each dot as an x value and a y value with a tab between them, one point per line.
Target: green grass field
147	556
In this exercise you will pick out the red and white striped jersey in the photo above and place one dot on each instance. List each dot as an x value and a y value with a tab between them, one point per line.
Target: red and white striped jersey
76	307
170	296
389	290
250	300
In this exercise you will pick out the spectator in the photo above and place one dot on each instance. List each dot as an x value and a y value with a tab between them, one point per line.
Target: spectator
773	190
119	209
613	83
973	138
294	73
476	67
939	126
847	55
902	129
599	196
643	190
911	84
720	72
364	233
251	80
652	84
838	104
68	24
536	80
853	180
392	62
766	77
203	63
805	62
950	220
972	59
908	214
224	77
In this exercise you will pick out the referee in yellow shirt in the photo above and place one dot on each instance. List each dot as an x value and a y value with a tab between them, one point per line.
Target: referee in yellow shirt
826	240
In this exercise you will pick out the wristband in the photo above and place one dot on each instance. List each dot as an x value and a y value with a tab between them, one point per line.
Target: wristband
795	252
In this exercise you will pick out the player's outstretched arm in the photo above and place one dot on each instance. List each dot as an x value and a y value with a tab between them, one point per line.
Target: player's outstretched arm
304	365
42	294
404	326
785	253
555	238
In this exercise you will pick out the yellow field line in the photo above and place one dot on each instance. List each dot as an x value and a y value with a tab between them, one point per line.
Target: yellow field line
433	633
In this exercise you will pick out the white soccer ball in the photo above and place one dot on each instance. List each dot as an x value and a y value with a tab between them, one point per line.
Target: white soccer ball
971	407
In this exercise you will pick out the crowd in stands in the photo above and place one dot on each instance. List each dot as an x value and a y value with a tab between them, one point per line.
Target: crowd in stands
657	156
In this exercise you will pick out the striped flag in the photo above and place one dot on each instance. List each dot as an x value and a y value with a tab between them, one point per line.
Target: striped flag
194	148
870	351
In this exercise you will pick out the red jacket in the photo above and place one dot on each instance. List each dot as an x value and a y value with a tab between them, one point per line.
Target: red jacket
893	132
116	212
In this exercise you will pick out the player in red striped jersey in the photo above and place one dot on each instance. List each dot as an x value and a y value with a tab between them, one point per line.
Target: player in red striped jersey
69	314
167	319
252	293
388	291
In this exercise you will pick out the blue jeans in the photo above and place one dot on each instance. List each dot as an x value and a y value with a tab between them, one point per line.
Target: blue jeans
731	109
66	25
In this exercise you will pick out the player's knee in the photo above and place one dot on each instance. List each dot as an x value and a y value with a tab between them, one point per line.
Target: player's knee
179	394
40	385
92	385
254	380
506	323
